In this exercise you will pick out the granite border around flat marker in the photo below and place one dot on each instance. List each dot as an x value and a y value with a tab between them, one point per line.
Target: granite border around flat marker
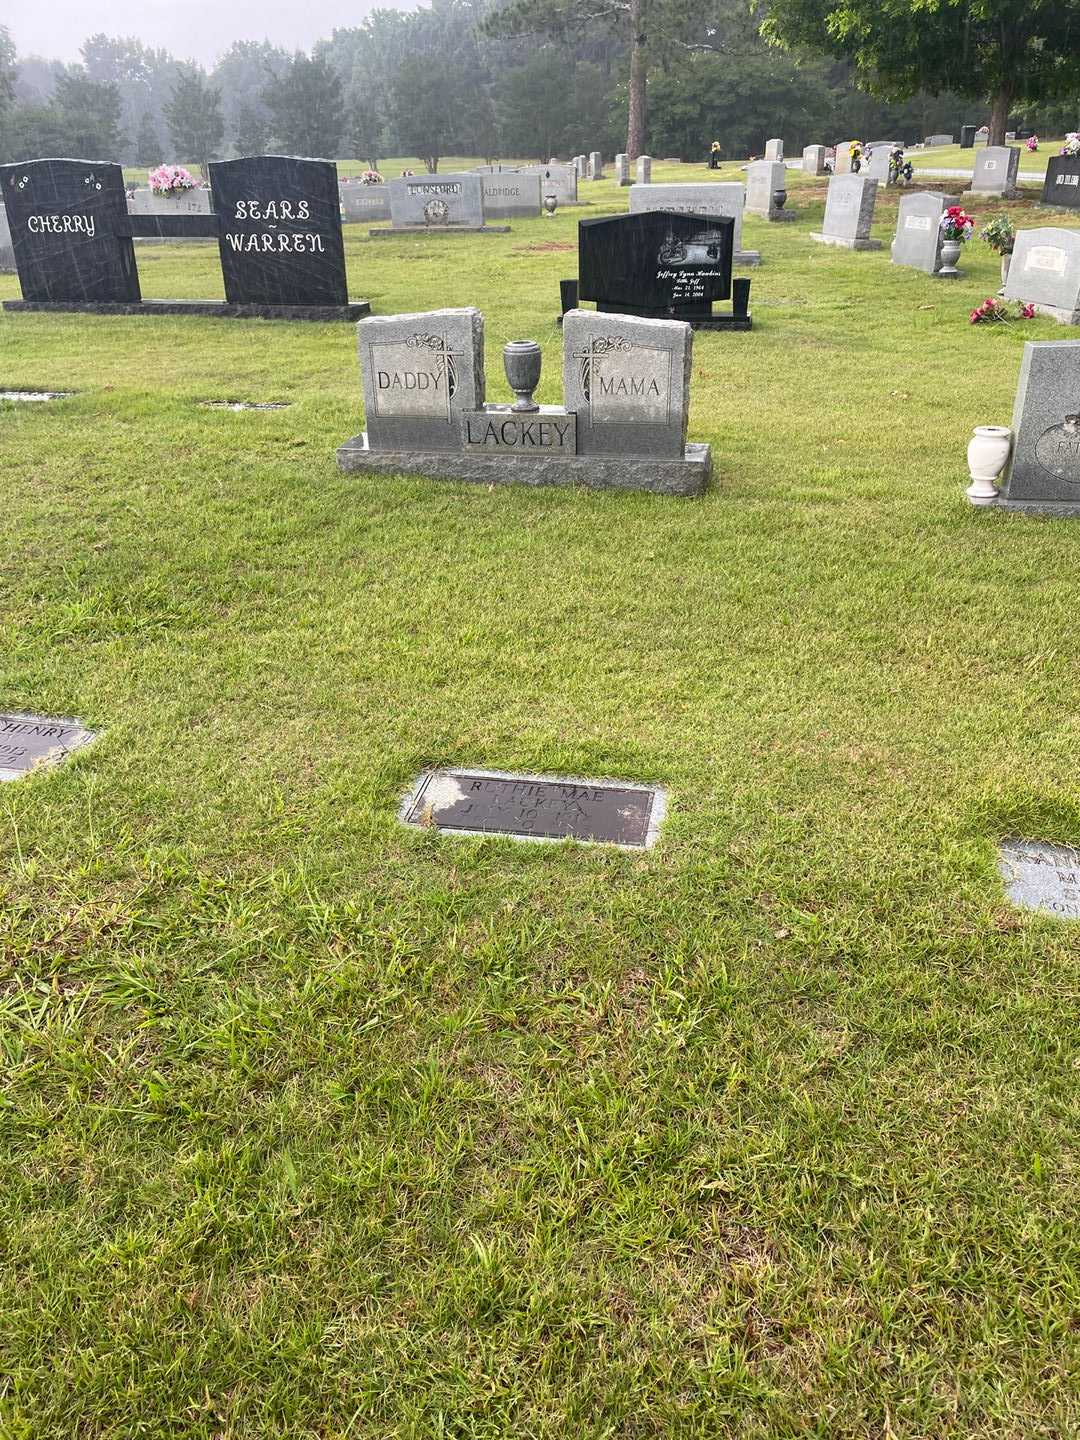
439	230
204	309
58	754
657	815
658	475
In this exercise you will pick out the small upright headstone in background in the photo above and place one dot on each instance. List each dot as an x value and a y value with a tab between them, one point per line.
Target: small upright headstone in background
628	379
364	202
512	193
579	166
644	169
877	167
1062	184
918	230
437	202
996	169
421	372
1045	272
725	197
765	183
849	213
933	142
596	165
1042	877
622	170
1044	474
842	162
967	137
813	160
774	149
33	742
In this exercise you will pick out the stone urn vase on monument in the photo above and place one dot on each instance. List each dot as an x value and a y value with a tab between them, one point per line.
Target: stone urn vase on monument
551	204
521	361
779	199
988	451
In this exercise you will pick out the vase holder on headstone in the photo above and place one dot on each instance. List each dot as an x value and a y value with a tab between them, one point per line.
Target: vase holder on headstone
622	425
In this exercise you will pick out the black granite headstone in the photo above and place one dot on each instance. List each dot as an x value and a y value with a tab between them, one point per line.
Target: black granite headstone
1062	183
69	231
280	236
659	263
967	137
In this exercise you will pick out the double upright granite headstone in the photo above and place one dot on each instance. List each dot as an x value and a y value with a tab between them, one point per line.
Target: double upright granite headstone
662	264
1045	272
917	241
1044	474
849	213
1062	184
277	221
996	171
766	190
714	200
623	425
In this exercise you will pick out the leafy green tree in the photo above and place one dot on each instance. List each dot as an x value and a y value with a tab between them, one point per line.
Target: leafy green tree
999	51
427	106
88	112
251	134
193	115
365	131
147	144
143	76
33	132
307	113
7	70
241	75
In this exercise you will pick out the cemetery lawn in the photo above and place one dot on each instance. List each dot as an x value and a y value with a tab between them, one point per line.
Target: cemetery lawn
314	1126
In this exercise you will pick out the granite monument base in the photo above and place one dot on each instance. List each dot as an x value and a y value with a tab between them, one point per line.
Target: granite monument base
845	242
390	231
207	309
1058	313
714	320
746	257
686	477
1063	509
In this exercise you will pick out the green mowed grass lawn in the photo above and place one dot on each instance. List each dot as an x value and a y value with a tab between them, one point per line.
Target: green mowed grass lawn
314	1126
951	157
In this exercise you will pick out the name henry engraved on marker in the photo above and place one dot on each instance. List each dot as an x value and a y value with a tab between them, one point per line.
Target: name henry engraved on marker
27	741
535	807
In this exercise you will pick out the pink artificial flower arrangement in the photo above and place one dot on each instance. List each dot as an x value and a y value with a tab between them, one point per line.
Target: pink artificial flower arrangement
170	180
992	310
1032	143
371	177
957	224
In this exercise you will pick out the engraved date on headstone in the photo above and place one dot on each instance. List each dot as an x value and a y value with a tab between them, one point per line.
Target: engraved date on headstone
536	807
1042	877
28	742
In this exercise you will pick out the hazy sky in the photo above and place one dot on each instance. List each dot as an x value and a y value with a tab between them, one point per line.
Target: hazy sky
191	29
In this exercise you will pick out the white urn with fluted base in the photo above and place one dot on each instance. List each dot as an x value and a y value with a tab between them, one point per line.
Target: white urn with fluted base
988	452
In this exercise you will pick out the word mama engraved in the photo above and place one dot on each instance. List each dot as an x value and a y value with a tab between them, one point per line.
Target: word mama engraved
30	742
536	807
525	434
1042	877
626	383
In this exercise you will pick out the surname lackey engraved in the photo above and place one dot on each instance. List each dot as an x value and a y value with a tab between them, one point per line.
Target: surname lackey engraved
525	434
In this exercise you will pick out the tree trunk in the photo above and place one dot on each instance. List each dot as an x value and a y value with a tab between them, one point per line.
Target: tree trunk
999	115
637	118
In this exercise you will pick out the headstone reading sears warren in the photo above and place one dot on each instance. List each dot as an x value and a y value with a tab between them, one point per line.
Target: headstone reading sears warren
69	231
849	213
31	742
917	241
713	200
662	264
644	169
813	160
1062	183
1045	272
765	182
1042	877
421	372
437	203
1044	471
280	240
996	170
511	193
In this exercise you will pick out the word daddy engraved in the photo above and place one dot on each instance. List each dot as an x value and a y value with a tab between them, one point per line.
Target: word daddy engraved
1042	877
536	807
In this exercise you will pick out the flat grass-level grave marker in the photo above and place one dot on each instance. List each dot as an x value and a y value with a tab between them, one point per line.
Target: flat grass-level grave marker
1042	877
31	742
35	396
536	807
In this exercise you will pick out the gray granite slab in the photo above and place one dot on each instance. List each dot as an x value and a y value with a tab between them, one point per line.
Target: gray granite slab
188	202
420	373
686	476
763	179
877	166
7	250
622	169
932	142
842	159
511	193
813	159
437	201
35	742
596	165
774	149
644	169
849	213
1045	272
628	379
364	202
1042	877
536	807
996	170
917	241
721	198
1044	469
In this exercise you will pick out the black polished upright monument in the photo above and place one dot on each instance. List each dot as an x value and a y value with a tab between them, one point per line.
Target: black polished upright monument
277	221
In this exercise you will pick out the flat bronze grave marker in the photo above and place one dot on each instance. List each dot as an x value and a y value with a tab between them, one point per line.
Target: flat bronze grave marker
29	742
1042	877
536	807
